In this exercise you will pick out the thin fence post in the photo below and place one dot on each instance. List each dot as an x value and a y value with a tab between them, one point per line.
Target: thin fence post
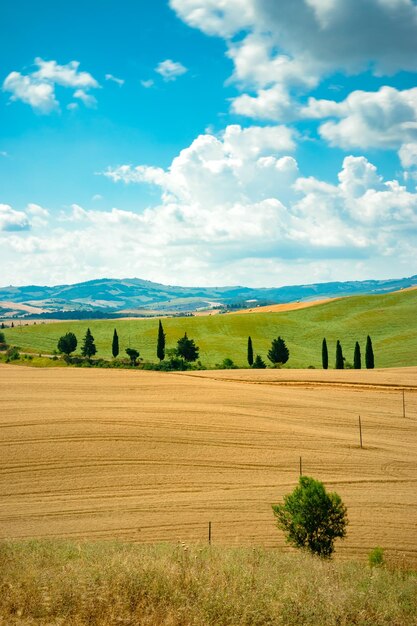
209	533
360	430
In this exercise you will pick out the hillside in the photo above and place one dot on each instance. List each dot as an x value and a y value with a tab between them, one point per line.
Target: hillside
112	297
390	319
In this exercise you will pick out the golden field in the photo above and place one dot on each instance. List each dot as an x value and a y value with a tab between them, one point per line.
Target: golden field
147	457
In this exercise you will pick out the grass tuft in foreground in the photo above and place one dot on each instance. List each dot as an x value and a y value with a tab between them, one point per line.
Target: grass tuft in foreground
107	584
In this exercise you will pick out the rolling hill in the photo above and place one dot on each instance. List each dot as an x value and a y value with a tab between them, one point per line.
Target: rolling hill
390	320
113	297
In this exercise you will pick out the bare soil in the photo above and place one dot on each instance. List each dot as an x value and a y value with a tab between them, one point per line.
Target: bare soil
147	456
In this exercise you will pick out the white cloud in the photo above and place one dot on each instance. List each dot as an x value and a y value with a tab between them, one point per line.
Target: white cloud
86	98
383	119
279	47
38	88
222	169
170	70
408	155
114	79
40	95
65	75
11	220
37	210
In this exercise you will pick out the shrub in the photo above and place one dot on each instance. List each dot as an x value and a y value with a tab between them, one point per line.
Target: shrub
12	353
259	363
312	518
226	364
376	557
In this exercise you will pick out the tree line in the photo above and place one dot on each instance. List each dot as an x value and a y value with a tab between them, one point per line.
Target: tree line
187	352
357	357
184	353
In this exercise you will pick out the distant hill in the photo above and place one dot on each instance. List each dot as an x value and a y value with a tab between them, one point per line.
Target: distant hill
132	297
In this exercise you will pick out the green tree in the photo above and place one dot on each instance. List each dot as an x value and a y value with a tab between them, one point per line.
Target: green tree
89	347
67	343
250	352
324	355
160	348
186	349
2	338
369	354
357	359
259	363
133	355
339	357
312	518
115	344
279	352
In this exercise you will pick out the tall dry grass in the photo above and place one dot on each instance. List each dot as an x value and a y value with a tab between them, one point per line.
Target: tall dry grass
62	583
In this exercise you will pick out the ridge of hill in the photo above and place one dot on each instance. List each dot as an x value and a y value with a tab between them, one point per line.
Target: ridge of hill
131	296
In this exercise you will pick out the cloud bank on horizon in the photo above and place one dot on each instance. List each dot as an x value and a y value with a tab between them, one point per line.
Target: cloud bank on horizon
245	201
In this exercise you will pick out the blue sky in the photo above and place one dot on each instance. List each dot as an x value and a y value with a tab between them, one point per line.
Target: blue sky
208	142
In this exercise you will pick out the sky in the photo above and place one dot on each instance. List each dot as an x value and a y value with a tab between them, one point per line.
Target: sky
208	142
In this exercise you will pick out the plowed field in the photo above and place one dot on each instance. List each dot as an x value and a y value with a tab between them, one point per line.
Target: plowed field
147	456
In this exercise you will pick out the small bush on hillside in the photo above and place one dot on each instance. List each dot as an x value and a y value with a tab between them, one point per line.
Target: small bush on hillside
259	363
376	557
226	364
12	354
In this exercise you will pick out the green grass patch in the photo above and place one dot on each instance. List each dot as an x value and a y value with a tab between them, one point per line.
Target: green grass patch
389	319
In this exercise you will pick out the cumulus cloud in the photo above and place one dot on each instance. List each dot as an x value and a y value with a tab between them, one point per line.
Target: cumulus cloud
221	169
170	70
277	47
11	220
39	95
233	208
383	119
38	88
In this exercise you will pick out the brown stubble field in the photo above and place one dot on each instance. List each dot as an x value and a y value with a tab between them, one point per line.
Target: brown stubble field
149	457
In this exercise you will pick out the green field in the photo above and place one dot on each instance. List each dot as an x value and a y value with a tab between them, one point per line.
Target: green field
389	319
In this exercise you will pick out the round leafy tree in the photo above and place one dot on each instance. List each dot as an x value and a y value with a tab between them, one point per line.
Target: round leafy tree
133	355
187	349
279	352
67	343
312	518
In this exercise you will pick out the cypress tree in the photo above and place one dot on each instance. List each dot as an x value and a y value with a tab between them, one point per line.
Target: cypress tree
160	349
369	354
250	352
339	356
357	361
89	347
324	355
115	344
